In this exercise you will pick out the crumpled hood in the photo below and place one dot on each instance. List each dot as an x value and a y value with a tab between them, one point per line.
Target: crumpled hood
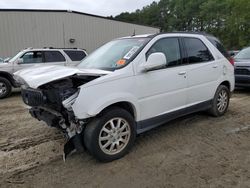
39	75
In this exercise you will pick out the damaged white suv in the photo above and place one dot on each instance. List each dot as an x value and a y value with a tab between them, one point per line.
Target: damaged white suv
129	86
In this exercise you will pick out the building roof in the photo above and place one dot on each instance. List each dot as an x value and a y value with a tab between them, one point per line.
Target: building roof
72	11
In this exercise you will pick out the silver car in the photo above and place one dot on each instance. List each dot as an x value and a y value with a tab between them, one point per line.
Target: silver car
242	68
36	57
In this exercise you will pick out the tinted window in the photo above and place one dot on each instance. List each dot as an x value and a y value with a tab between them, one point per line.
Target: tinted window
197	52
171	49
32	57
75	55
53	56
218	45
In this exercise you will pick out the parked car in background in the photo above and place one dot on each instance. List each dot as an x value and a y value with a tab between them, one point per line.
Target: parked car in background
30	57
242	68
232	53
1	60
128	86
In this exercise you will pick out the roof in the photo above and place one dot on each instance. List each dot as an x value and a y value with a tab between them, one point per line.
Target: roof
139	36
51	49
72	11
170	33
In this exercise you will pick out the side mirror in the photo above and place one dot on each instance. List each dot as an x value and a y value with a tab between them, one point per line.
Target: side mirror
6	60
155	61
20	61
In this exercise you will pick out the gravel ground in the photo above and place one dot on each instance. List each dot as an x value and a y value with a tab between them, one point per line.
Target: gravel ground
194	151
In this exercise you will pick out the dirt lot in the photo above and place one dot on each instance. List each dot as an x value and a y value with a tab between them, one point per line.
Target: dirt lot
195	151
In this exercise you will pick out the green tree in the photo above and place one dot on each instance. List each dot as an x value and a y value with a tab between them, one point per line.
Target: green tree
227	19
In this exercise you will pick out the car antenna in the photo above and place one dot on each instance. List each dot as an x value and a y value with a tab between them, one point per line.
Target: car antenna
133	33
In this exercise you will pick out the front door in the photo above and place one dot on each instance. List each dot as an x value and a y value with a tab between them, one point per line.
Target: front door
164	90
29	59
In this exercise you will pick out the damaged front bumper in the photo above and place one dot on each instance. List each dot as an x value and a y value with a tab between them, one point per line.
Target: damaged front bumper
71	128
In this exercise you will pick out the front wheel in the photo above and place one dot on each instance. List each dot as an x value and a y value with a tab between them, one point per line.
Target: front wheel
5	88
111	135
221	101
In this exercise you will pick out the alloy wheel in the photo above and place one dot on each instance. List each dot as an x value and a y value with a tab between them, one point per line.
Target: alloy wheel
222	101
114	136
3	88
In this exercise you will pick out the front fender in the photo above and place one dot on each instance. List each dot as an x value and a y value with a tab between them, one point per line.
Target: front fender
86	107
106	101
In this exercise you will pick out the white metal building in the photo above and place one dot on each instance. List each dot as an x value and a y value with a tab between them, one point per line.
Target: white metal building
20	29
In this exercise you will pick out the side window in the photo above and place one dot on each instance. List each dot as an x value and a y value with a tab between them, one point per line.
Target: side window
75	55
32	57
197	52
171	49
53	56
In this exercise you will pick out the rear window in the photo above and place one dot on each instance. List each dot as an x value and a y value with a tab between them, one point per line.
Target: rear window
75	55
218	45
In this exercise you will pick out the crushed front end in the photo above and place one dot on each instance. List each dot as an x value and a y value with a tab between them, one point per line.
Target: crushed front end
52	103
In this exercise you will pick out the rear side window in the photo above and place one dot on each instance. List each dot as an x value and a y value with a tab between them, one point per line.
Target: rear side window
218	45
196	50
170	48
75	55
53	56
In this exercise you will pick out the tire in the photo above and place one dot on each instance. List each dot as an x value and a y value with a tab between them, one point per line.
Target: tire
220	102
5	88
101	127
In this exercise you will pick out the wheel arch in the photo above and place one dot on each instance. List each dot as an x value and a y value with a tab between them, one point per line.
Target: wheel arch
227	84
124	105
128	105
9	77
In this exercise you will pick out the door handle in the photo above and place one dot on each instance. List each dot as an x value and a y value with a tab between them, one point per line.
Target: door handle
182	73
215	66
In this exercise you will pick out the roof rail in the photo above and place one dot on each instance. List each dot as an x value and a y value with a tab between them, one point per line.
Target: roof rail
186	32
62	48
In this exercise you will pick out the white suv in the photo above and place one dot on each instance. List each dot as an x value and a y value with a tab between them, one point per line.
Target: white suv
128	86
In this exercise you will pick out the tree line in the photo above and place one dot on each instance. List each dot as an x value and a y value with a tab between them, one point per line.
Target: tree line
229	20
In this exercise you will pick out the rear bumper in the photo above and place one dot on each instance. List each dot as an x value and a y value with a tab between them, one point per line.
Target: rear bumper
242	80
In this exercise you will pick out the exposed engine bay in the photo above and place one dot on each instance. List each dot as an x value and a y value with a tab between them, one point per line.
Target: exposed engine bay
52	102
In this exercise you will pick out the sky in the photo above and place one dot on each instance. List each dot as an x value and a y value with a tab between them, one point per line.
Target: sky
97	7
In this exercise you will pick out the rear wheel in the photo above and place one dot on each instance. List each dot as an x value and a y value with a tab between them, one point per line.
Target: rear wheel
5	88
110	136
221	101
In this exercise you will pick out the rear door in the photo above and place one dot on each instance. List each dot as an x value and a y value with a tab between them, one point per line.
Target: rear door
54	58
203	71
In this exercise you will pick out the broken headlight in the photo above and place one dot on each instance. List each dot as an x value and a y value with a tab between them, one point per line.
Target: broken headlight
70	101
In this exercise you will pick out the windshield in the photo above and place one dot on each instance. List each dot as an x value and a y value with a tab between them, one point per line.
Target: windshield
114	54
15	57
243	54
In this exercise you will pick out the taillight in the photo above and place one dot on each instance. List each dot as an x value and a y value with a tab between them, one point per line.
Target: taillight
231	60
